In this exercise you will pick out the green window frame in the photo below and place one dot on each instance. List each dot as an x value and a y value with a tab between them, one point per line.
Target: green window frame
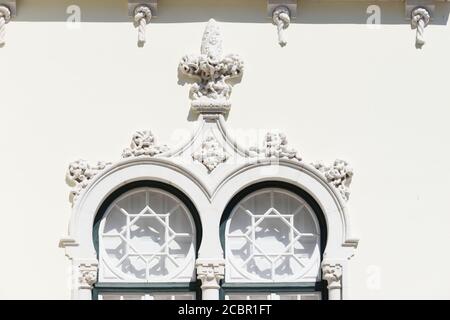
145	288
280	287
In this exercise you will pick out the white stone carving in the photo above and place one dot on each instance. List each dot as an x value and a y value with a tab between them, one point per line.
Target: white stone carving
339	175
143	143
420	18
87	275
212	71
142	17
211	194
5	17
210	272
332	273
281	18
211	153
80	173
275	146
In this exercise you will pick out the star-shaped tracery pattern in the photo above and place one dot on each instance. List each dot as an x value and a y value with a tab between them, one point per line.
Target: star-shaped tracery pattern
270	245
144	241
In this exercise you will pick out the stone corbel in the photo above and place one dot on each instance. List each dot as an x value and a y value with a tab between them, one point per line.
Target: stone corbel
420	13
281	12
142	12
332	273
7	12
87	275
210	272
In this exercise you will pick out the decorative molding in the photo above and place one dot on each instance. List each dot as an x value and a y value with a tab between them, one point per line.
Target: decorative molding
212	71
332	273
143	143
87	275
339	175
210	272
80	173
275	145
281	18
211	153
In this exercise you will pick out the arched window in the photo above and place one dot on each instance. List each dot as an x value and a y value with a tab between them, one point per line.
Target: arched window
147	239
273	237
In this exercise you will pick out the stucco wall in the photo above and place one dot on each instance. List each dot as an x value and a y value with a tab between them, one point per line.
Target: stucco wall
338	89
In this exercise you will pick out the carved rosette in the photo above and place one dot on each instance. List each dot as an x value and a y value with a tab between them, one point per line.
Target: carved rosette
332	273
143	143
87	275
211	153
80	173
210	273
339	175
275	145
211	71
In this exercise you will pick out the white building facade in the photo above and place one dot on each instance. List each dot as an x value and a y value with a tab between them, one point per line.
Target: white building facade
213	199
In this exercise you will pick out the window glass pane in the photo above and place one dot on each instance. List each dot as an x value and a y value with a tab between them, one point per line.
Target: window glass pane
173	296
274	296
147	235
148	296
272	235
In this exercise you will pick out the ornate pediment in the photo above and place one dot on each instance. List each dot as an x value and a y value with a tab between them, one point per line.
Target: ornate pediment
211	154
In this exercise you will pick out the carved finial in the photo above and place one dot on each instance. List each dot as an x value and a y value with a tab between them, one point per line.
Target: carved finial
212	41
212	71
275	145
143	143
420	18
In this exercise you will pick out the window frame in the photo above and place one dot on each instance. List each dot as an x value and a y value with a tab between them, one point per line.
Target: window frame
134	287
307	287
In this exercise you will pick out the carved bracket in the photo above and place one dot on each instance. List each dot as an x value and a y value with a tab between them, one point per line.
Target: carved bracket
87	275
420	13
281	12
142	12
210	272
8	11
332	273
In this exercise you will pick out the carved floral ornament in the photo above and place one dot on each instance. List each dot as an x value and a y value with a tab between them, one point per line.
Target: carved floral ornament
211	96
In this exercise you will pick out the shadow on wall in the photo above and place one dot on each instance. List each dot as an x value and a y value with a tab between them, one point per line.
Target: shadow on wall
240	11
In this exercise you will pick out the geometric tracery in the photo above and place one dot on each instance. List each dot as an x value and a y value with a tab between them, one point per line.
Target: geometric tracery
269	245
149	241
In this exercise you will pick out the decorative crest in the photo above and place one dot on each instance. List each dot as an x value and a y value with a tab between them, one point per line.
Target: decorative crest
212	71
339	175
